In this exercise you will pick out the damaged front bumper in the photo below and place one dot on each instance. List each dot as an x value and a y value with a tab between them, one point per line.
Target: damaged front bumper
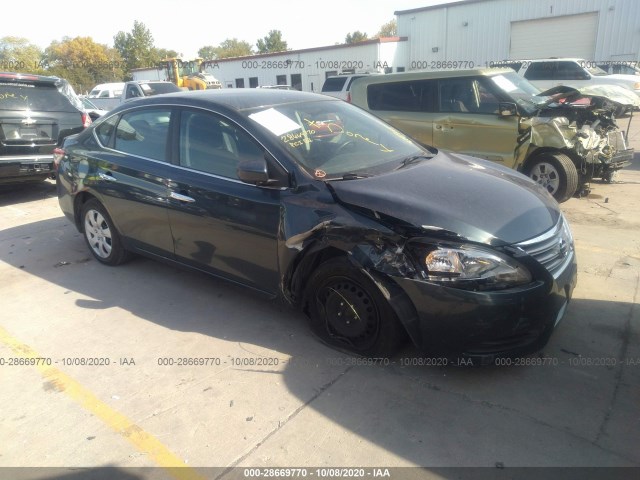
484	326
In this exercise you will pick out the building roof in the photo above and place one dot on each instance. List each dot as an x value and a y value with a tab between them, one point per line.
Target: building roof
314	49
437	7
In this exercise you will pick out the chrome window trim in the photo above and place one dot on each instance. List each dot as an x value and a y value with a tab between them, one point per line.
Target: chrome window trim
180	105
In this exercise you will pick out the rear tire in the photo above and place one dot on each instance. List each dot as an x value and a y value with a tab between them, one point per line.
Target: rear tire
348	312
556	173
101	235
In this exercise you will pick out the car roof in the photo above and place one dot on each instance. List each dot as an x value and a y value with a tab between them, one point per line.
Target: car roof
237	98
28	78
428	74
556	59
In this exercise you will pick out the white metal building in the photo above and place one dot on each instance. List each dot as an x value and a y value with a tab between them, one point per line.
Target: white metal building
307	69
482	31
149	74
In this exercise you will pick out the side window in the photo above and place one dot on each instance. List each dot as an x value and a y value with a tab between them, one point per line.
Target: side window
457	95
144	133
570	71
105	130
212	144
411	96
132	91
540	71
487	101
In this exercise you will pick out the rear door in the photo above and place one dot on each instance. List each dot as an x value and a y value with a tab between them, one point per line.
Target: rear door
468	121
131	176
220	224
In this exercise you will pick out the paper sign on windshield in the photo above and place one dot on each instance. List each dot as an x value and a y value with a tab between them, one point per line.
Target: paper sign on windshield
275	121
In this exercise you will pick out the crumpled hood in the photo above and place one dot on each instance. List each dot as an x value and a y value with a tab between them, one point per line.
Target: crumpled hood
613	93
474	198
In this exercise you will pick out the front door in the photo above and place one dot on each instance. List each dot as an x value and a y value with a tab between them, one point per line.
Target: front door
469	122
219	223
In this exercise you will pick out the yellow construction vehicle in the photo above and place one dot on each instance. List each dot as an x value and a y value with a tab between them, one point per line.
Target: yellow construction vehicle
188	74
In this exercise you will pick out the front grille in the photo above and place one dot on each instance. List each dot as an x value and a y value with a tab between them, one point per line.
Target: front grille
553	249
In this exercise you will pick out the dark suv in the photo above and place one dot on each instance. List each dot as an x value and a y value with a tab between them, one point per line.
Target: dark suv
36	114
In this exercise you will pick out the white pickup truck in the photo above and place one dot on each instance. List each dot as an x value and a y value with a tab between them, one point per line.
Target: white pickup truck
134	89
546	73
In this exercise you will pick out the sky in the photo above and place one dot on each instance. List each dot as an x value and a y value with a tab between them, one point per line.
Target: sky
189	25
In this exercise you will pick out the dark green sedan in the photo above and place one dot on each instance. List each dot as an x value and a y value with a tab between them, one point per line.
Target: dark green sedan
376	238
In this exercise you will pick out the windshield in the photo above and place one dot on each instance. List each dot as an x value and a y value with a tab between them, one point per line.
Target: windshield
520	90
150	89
333	139
594	70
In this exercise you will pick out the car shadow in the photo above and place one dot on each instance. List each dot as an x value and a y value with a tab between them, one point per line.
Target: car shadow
416	409
26	192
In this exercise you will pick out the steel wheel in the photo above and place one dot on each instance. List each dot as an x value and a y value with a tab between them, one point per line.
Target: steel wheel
347	311
350	314
98	233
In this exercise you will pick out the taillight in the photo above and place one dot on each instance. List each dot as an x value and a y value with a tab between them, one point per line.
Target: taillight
58	155
86	120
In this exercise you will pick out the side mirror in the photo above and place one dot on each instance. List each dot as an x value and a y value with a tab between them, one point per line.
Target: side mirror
253	171
507	109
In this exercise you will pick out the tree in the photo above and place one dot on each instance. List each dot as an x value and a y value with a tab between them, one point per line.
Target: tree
389	29
136	47
83	62
18	55
232	47
356	36
272	43
208	52
162	53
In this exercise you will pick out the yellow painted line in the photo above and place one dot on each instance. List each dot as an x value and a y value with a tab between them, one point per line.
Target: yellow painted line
143	441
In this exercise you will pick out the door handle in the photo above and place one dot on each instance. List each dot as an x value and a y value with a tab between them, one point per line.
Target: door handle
181	198
107	176
438	127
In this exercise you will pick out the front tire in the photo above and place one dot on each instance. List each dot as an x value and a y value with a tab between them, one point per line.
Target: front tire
556	173
348	312
101	235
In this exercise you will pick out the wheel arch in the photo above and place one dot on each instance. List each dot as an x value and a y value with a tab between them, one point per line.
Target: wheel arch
78	202
317	254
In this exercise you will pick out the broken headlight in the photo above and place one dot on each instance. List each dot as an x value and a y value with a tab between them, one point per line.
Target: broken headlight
472	268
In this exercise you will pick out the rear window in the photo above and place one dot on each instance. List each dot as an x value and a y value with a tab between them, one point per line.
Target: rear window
41	98
334	84
150	89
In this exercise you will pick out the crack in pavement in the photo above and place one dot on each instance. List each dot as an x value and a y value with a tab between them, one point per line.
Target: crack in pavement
622	354
465	397
294	414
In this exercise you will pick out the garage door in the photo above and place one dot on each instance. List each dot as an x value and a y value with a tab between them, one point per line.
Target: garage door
565	36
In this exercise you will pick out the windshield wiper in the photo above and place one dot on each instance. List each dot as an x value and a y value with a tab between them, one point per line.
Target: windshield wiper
414	159
348	176
354	176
